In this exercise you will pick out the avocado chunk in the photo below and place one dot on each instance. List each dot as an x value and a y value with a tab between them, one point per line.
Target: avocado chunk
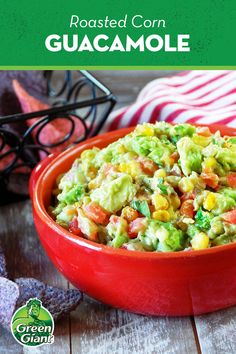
223	203
228	192
173	238
71	196
152	147
112	196
73	177
162	236
227	158
117	231
66	215
190	155
179	131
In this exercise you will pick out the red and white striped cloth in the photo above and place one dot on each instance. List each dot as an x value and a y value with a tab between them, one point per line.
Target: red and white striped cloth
197	96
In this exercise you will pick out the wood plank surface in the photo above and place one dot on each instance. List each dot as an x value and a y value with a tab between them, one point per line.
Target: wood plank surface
99	329
217	332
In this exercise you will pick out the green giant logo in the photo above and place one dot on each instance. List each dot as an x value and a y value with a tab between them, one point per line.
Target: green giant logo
32	324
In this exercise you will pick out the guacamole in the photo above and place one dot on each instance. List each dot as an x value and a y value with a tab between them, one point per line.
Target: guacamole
161	188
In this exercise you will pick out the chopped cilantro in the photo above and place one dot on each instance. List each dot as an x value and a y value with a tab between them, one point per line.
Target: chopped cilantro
142	207
73	195
163	189
161	186
232	140
175	139
203	220
215	141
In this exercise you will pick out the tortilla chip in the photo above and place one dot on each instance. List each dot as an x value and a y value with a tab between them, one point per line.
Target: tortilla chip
9	293
29	288
60	302
9	104
3	269
52	132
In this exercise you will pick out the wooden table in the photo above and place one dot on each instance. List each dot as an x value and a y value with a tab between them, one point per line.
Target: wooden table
96	328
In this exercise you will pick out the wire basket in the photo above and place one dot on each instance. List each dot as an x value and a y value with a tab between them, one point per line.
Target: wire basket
78	99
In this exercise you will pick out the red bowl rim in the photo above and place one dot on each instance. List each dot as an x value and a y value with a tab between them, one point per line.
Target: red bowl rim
45	217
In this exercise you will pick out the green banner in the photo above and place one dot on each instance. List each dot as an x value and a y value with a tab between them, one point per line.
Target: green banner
160	33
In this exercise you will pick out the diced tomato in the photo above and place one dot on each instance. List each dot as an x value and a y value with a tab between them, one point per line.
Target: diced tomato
211	179
175	156
96	213
129	214
231	179
184	197
74	228
115	219
204	131
109	168
230	216
148	166
136	226
217	188
87	226
151	208
187	208
187	196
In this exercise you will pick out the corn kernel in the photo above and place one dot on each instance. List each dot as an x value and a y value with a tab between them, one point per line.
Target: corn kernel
200	241
210	201
201	140
71	211
86	200
88	154
161	173
92	184
121	149
129	214
131	168
159	202
185	185
145	129
209	163
161	215
92	172
83	154
175	201
171	212
123	167
79	203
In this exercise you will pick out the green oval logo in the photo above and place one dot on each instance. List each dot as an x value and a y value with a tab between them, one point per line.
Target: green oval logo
32	324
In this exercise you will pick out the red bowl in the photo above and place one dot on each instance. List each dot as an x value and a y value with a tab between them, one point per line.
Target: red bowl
179	283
